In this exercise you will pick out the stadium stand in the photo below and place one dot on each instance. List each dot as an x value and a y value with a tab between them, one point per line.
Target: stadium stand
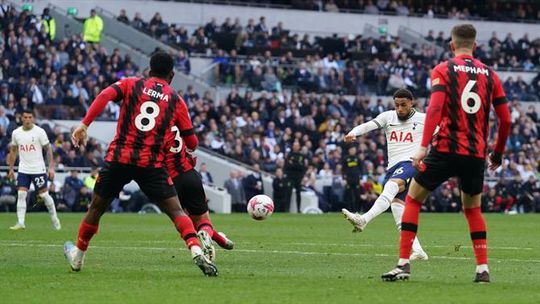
59	79
269	58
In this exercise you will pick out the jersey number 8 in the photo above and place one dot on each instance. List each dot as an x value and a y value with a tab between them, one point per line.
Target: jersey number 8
146	120
469	95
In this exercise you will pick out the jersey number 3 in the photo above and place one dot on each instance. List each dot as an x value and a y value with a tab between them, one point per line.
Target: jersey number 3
146	120
178	139
470	101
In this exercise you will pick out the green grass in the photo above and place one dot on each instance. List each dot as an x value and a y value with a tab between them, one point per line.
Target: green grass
285	259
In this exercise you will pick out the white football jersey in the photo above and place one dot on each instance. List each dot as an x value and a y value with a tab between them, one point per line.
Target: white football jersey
30	143
403	137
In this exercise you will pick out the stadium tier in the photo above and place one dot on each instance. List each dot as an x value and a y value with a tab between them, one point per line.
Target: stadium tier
59	78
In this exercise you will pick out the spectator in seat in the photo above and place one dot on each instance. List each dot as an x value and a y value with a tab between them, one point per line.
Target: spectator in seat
72	190
235	188
206	177
182	62
123	17
253	184
280	187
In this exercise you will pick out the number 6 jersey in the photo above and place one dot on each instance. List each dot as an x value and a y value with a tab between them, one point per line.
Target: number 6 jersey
149	109
470	89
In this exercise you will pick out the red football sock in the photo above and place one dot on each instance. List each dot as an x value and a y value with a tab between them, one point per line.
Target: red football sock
184	225
477	228
86	232
206	225
221	241
409	226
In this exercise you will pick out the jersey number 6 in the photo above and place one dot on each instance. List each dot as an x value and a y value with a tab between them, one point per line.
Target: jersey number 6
469	95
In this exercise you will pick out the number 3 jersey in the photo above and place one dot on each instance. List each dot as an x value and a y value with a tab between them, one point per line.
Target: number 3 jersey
149	109
178	160
30	146
403	137
471	88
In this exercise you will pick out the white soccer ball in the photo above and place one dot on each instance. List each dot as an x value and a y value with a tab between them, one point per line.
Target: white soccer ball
260	207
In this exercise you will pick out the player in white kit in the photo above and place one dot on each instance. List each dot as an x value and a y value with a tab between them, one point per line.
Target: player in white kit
403	129
29	141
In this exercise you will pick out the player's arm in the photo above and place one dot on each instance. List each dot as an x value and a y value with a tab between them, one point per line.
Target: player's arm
46	145
50	160
378	123
185	126
500	103
11	158
433	116
111	93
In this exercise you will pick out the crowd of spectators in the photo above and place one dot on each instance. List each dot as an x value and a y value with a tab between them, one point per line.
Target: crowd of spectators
261	131
59	79
265	57
452	9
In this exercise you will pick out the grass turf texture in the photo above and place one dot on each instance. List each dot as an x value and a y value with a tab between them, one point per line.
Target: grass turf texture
285	259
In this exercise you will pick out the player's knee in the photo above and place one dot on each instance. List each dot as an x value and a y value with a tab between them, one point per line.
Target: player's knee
401	183
21	194
44	194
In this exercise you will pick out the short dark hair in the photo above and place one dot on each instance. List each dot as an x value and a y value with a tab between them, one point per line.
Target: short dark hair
403	93
464	35
28	111
161	64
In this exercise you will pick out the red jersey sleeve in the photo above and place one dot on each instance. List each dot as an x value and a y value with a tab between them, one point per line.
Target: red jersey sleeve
184	124
99	104
435	107
500	103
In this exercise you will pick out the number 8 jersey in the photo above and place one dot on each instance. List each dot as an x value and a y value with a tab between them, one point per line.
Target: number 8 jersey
470	88
150	107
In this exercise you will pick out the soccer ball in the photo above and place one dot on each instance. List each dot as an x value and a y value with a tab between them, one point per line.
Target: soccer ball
260	207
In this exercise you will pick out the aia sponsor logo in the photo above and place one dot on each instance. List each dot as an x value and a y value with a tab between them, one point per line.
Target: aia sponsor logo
27	148
401	136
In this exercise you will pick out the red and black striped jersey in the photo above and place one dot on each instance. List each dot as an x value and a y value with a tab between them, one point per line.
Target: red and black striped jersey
178	160
470	88
149	109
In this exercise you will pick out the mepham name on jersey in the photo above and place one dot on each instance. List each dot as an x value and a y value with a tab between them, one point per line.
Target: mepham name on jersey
471	69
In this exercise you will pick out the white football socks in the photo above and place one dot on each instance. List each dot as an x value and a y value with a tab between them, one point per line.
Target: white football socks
481	268
49	203
21	206
397	212
391	189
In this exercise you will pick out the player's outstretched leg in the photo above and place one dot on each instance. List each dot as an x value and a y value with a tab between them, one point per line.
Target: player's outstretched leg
88	228
205	232
418	252
171	206
21	210
390	190
49	203
221	239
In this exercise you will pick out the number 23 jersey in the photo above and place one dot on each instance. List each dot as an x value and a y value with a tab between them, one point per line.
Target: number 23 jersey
149	109
470	88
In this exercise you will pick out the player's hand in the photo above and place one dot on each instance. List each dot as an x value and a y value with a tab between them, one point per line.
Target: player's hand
51	174
495	160
79	136
11	174
349	138
418	159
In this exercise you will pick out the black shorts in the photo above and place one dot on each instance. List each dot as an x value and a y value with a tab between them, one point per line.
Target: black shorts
190	191
442	166
154	182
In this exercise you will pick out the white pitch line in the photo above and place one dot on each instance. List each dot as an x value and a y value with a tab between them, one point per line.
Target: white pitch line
317	244
387	245
15	244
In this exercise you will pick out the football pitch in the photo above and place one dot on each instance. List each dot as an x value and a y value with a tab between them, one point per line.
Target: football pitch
285	259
